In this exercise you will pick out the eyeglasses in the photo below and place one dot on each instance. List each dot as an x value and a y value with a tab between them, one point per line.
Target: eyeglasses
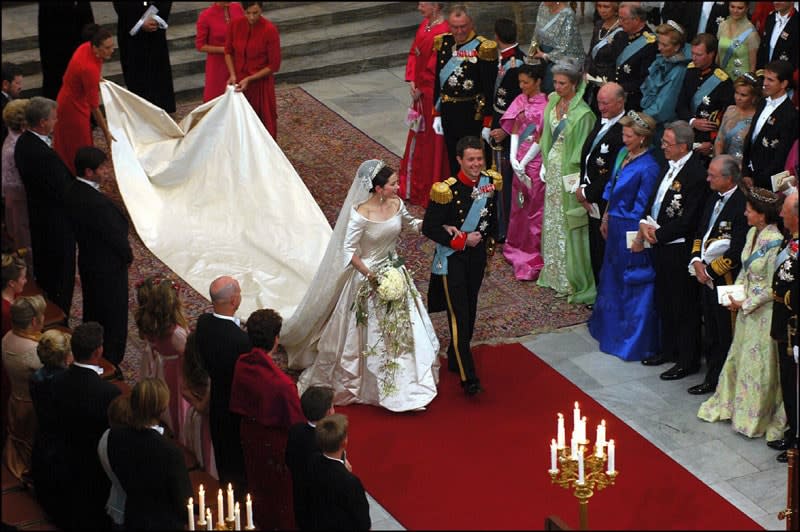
665	144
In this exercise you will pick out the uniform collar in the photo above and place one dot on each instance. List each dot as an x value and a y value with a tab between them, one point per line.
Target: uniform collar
466	180
508	52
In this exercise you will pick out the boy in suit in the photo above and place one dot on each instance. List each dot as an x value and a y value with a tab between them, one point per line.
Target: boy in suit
337	500
301	446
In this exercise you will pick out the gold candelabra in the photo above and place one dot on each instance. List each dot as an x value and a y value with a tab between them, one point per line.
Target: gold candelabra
570	468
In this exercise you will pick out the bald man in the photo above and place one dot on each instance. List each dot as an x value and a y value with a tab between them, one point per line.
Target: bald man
220	341
597	161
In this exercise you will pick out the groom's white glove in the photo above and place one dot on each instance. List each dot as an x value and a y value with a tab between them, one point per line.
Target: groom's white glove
437	125
486	134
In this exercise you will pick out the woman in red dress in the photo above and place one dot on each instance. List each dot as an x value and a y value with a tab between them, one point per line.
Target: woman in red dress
212	28
253	56
80	96
425	159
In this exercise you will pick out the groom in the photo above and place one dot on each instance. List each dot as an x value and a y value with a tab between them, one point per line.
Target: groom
464	206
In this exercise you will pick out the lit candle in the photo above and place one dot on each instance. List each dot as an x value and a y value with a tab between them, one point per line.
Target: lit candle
249	507
237	517
580	465
220	508
553	454
190	510
610	456
573	446
209	519
562	438
230	502
601	434
576	416
202	496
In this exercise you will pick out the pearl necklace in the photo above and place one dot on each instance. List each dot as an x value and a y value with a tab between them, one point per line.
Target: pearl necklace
433	23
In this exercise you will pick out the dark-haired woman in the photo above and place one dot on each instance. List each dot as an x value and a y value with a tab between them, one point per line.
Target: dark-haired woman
748	392
79	97
344	333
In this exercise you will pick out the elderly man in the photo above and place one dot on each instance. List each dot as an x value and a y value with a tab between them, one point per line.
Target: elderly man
635	60
597	161
706	93
220	341
466	69
45	177
676	207
786	298
716	260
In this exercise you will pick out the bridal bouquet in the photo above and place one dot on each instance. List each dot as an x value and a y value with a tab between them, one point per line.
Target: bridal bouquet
390	296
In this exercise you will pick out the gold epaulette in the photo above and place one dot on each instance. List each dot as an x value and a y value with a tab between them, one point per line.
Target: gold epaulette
441	193
721	74
721	265
760	73
437	41
497	179
691	65
696	246
649	37
487	50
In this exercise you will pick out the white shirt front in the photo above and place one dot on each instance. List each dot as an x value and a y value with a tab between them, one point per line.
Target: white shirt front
96	369
46	139
675	168
769	108
780	23
234	319
607	123
705	13
92	184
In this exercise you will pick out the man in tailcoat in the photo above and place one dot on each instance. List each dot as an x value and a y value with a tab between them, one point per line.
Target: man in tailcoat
696	17
634	62
706	93
460	219
45	177
773	129
506	89
597	162
781	37
716	260
676	205
786	297
466	69
104	253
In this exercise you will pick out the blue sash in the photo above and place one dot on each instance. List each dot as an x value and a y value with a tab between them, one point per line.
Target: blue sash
704	90
734	45
617	164
604	41
453	63
439	266
782	256
761	252
631	49
559	128
529	130
740	125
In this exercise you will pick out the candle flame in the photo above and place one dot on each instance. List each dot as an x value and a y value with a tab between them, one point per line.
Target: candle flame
201	490
553	441
237	506
248	495
576	404
230	487
191	501
560	415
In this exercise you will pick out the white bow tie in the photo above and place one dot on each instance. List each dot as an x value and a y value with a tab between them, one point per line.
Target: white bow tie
781	19
604	121
772	103
673	165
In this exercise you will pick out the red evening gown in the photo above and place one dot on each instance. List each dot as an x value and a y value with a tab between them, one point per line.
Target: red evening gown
79	94
212	30
253	48
425	158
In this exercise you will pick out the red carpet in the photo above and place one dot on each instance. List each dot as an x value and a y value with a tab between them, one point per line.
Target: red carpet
480	463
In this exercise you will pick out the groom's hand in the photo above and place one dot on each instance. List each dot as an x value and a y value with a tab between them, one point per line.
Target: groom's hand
474	238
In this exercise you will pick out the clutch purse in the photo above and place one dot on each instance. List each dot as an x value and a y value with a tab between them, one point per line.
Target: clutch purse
414	119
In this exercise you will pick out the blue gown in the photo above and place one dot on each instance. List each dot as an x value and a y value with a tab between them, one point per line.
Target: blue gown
624	320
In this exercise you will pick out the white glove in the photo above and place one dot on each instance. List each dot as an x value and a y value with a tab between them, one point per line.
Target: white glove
542	172
533	151
437	125
485	134
517	166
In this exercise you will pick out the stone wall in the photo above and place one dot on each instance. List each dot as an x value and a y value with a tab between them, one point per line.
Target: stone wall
523	13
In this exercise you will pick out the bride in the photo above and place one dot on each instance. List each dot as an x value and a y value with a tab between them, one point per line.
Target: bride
362	327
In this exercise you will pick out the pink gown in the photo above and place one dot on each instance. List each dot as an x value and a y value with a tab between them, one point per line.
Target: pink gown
166	362
425	157
523	247
212	29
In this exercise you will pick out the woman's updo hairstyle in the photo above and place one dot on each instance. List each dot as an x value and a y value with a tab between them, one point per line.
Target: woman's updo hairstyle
382	177
96	34
532	71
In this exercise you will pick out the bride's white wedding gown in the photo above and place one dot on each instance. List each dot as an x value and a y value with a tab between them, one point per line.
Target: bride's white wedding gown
337	350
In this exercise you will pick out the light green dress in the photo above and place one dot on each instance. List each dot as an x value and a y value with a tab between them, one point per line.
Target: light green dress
739	61
749	392
567	264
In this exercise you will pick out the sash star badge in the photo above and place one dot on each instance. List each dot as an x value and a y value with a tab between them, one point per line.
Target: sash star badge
626	68
604	148
676	186
501	102
501	91
706	100
600	162
737	62
452	81
484	224
468	84
771	120
484	212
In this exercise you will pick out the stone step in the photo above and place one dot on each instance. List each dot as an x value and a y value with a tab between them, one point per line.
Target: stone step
318	40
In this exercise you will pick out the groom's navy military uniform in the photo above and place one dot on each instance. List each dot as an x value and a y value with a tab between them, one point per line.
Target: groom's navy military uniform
457	290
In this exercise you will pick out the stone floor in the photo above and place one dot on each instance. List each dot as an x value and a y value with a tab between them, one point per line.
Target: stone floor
742	470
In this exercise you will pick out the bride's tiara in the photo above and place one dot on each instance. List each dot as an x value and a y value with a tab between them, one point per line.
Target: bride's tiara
677	27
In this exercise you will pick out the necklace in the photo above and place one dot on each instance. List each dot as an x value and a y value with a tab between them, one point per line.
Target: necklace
433	23
563	107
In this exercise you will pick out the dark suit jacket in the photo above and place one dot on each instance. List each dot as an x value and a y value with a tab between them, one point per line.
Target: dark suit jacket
766	155
220	342
301	446
81	400
101	230
337	500
687	14
785	49
731	223
601	162
152	472
688	192
711	109
508	89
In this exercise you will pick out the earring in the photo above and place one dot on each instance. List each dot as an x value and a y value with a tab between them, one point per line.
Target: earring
382	198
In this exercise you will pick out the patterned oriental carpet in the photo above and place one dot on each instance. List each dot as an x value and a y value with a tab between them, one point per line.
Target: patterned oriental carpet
326	152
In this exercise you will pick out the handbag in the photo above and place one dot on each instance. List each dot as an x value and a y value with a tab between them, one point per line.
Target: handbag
414	118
